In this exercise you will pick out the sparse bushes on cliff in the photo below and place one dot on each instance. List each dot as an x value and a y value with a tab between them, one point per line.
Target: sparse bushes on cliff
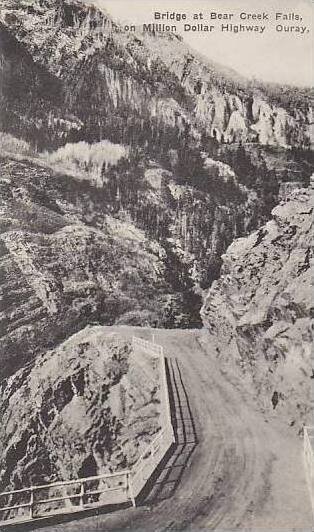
11	144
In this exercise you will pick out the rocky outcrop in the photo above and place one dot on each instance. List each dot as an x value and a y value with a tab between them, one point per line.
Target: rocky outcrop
31	98
163	218
65	262
88	407
162	83
133	223
259	309
121	240
227	107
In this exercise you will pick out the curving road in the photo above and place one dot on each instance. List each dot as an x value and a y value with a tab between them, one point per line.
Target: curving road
231	469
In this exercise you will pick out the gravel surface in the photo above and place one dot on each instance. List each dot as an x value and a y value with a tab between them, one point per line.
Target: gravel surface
231	469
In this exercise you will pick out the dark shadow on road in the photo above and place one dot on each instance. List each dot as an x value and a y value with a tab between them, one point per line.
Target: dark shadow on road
167	476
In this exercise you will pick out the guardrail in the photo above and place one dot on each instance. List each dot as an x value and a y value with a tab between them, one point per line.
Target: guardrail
155	452
149	347
65	497
309	460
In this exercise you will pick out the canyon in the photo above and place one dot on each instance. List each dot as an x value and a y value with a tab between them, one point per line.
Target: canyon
170	195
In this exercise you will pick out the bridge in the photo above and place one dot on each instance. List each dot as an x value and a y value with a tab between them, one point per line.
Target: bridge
232	465
71	496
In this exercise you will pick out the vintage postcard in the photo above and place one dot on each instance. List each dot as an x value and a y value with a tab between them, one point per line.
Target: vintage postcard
156	215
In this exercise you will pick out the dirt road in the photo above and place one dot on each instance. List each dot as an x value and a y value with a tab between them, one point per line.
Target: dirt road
232	469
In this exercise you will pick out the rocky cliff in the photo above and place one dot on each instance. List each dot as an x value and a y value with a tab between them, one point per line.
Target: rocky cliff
131	190
66	262
137	162
260	308
86	408
31	99
166	88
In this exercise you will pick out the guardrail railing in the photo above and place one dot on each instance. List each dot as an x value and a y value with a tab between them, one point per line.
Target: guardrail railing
157	449
149	347
309	460
65	497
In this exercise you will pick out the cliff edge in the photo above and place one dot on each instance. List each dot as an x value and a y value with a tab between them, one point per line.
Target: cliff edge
260	308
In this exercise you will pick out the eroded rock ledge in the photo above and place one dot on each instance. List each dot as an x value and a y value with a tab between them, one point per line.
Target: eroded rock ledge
88	407
260	308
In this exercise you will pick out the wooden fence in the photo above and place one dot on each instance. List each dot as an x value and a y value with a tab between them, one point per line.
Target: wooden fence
309	460
71	496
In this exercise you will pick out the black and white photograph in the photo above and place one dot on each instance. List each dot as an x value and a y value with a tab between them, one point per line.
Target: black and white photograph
156	259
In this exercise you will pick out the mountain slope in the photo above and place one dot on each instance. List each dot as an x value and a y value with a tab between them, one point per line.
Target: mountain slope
166	109
157	79
31	99
66	262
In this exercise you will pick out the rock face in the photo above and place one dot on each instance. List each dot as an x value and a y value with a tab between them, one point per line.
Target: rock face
116	208
31	98
162	83
86	408
159	190
260	307
65	262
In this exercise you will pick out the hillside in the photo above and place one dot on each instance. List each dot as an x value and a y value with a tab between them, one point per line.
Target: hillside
118	202
146	190
166	89
66	263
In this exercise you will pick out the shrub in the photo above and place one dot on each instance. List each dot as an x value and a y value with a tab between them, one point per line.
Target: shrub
86	158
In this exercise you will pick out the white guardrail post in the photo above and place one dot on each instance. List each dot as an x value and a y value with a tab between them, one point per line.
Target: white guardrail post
118	487
309	460
130	488
31	503
82	493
